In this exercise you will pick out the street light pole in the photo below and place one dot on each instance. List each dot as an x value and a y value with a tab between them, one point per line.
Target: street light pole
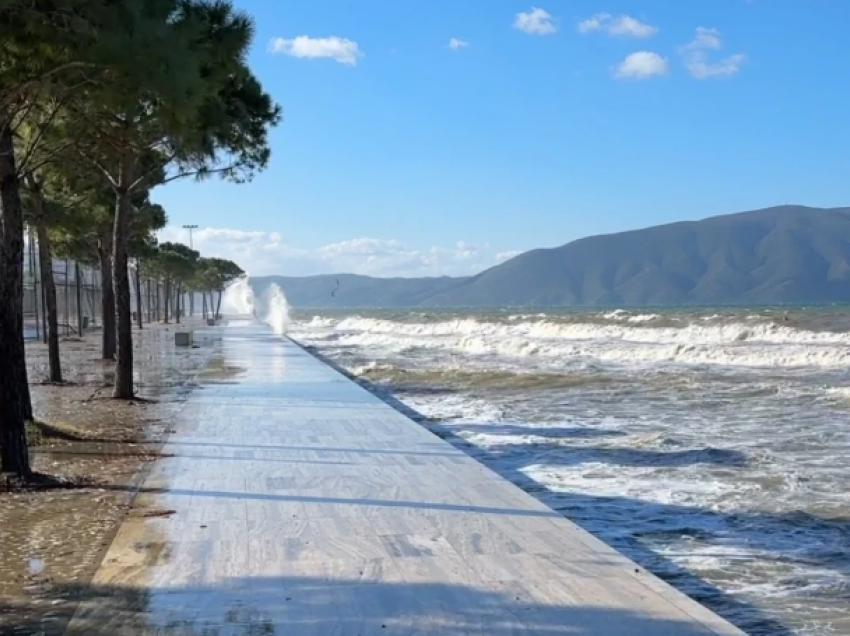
190	228
191	247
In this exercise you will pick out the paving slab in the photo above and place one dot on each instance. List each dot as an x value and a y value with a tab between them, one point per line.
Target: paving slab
292	501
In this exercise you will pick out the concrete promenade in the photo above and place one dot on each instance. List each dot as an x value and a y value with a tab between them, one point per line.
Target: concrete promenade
293	502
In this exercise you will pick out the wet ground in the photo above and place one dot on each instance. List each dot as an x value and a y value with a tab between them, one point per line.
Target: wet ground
54	539
290	501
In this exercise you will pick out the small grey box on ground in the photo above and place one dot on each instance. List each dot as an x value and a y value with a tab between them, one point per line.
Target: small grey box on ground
183	338
210	322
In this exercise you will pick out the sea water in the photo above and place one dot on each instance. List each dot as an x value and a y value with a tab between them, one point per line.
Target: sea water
712	445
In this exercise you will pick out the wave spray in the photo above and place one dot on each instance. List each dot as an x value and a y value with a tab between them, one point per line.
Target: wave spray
271	307
238	298
276	314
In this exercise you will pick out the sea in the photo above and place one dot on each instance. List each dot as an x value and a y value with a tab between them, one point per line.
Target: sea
710	445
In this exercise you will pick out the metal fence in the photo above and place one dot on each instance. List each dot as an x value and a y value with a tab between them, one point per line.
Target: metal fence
78	296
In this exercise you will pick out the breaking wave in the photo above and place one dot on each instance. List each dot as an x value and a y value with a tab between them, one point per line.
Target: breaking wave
271	307
238	298
614	337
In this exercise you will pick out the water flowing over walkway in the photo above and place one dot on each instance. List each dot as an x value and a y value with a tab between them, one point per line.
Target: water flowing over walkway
291	501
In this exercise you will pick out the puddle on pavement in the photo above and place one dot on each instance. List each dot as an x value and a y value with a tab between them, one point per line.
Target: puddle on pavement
218	371
35	566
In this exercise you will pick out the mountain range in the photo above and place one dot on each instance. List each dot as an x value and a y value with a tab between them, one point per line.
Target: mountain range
785	254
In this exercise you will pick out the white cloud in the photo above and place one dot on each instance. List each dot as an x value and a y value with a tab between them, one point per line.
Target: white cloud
622	25
704	39
537	22
455	44
506	256
696	58
342	50
264	253
700	68
593	23
642	65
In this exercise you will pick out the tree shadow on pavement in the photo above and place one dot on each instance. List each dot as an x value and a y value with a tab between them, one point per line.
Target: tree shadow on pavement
306	606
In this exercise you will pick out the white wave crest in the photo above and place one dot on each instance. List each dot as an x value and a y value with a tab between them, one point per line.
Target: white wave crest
734	343
771	333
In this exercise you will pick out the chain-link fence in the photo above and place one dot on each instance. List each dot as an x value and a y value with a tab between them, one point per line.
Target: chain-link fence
78	296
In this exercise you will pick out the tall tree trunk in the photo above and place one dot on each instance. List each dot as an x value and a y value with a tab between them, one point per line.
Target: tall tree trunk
45	264
177	298
107	297
121	279
218	306
166	300
139	296
15	404
148	296
204	303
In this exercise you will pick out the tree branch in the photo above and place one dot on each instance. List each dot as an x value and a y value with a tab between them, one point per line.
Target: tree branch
195	173
23	112
113	182
159	166
19	90
101	132
48	158
42	128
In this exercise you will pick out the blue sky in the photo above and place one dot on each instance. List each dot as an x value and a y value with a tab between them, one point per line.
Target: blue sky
402	154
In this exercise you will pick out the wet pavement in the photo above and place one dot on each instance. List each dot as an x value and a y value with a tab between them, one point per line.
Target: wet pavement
53	540
291	501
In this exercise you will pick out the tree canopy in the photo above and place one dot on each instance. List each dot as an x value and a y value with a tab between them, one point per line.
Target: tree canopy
102	101
217	273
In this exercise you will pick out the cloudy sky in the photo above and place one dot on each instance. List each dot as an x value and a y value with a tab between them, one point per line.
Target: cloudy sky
431	137
264	253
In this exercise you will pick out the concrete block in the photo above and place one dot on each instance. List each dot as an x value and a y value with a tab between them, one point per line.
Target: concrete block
183	338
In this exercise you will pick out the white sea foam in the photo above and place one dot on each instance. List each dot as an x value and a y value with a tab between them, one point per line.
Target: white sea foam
733	343
617	313
625	316
839	392
321	322
543	329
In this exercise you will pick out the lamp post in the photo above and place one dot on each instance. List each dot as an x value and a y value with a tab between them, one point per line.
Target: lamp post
191	247
190	228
